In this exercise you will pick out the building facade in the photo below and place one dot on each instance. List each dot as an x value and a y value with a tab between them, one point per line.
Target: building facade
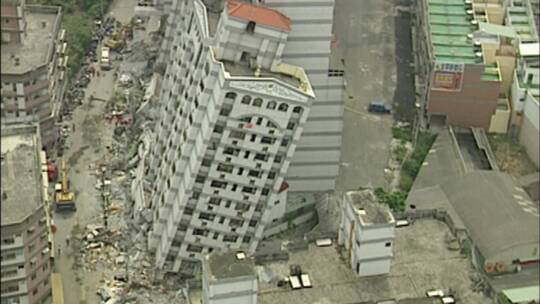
367	233
232	112
456	85
315	165
25	233
229	278
33	66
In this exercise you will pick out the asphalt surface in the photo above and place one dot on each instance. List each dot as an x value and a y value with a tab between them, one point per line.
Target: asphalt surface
374	40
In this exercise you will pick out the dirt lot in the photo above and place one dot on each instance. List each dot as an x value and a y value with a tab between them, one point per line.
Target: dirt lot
511	156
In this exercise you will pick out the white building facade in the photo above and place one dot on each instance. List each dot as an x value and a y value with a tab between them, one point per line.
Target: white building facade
228	280
231	117
315	165
367	233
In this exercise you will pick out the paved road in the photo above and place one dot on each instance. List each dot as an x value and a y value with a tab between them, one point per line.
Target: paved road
366	41
87	145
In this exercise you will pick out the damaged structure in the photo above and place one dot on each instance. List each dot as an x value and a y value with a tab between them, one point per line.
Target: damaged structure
26	235
231	116
309	43
33	66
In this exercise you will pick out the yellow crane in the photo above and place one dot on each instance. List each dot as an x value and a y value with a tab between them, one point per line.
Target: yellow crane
64	199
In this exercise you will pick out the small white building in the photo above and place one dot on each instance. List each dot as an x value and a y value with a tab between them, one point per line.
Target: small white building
229	278
367	233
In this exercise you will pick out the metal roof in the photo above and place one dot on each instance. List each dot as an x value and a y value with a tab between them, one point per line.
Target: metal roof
499	30
524	294
498	214
258	14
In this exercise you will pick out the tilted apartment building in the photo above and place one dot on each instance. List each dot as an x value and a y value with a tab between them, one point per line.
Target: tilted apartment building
25	221
232	112
315	165
33	66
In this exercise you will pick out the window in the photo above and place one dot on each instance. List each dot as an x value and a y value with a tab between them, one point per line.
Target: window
260	156
257	102
271	175
387	244
225	168
283	107
265	191
297	110
217	129
254	173
237	135
230	238
194	248
246	99
259	121
230	95
215	201
284	142
188	211
250	28
240	171
246	239
228	204
248	190
252	223
277	159
206	162
206	216
195	195
271	105
202	232
267	140
277	202
218	184
291	125
253	137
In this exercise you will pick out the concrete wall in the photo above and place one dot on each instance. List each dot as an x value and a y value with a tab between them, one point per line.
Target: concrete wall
473	106
501	118
308	45
530	129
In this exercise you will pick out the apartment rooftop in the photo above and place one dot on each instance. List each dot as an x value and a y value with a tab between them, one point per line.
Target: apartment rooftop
520	16
227	265
37	42
368	209
421	262
20	166
239	69
450	23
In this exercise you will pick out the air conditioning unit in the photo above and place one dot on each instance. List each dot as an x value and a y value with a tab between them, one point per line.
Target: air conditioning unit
474	22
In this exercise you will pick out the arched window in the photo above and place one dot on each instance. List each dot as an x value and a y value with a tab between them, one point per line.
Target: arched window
250	27
231	95
257	102
246	99
297	109
271	105
283	107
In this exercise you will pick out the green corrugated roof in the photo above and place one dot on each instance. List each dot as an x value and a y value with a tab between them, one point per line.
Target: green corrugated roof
450	24
518	295
499	30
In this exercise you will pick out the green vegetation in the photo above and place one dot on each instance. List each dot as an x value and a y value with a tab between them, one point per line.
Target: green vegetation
400	152
395	200
412	165
78	17
403	134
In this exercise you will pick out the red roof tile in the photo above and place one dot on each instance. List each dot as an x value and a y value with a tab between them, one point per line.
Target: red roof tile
258	14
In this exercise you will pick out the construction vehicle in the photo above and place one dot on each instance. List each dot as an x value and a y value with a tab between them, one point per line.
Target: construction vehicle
64	199
114	44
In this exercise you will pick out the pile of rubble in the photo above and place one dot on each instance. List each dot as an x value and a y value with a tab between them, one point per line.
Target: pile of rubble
126	272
